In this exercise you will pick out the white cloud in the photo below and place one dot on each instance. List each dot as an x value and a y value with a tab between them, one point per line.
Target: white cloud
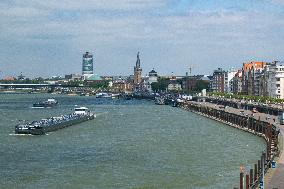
199	36
22	12
84	5
278	1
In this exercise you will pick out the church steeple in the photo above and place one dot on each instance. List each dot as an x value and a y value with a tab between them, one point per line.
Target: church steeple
138	61
137	73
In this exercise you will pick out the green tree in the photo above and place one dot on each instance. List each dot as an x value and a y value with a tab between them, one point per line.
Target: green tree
161	85
74	83
200	84
101	85
155	86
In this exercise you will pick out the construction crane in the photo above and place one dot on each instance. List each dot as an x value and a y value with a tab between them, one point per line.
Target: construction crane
278	62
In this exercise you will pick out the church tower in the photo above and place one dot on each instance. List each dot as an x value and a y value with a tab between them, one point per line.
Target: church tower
137	72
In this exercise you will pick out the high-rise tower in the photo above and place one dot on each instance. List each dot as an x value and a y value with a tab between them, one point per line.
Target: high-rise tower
137	72
87	65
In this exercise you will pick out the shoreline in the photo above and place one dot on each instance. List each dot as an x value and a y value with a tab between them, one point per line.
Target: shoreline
275	176
271	154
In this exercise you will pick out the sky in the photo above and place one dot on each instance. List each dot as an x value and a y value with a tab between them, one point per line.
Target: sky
45	38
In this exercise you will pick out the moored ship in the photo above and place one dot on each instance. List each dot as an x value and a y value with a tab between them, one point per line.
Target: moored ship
46	104
103	95
43	126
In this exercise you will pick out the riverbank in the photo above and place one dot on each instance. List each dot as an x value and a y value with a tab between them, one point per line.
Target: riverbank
275	176
259	124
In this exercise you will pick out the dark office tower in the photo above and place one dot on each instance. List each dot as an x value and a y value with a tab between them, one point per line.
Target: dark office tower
87	66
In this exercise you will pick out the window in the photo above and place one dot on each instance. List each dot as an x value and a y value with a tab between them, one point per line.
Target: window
277	79
277	85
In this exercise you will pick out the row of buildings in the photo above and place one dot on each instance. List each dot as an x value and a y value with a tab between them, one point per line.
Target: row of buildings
132	83
254	79
171	83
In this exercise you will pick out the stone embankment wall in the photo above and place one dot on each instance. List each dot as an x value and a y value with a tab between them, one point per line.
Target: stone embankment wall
246	123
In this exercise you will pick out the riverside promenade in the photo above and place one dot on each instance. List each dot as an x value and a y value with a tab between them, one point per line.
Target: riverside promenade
275	177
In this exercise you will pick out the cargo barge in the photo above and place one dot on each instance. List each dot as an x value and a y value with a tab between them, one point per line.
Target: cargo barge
46	104
43	126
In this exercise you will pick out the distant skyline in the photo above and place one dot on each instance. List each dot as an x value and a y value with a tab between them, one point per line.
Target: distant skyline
45	38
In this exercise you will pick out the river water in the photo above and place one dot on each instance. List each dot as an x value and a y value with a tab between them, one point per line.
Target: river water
131	144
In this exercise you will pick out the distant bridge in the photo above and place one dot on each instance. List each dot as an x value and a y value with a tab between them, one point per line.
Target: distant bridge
27	85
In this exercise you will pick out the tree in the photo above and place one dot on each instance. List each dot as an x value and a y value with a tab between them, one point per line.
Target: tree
74	83
161	85
155	86
200	84
102	85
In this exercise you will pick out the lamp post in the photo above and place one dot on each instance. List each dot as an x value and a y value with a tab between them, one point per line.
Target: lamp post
263	168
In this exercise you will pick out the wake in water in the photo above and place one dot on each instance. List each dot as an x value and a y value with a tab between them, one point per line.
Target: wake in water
13	134
37	107
102	113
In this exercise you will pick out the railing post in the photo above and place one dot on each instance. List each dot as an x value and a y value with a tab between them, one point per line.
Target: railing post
251	177
261	162
247	181
264	159
258	167
255	172
241	180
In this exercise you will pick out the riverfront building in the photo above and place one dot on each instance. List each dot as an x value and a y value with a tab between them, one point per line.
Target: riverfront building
251	77
73	77
174	85
217	83
273	80
122	86
254	79
189	82
237	83
277	91
153	77
87	65
228	80
195	82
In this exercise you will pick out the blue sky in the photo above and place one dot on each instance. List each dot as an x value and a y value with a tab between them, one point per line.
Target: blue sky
45	38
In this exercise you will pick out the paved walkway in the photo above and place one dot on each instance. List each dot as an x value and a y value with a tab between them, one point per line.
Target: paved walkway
275	178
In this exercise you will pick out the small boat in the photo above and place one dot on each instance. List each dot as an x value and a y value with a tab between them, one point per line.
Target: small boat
114	96
72	94
46	104
43	126
85	94
103	95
